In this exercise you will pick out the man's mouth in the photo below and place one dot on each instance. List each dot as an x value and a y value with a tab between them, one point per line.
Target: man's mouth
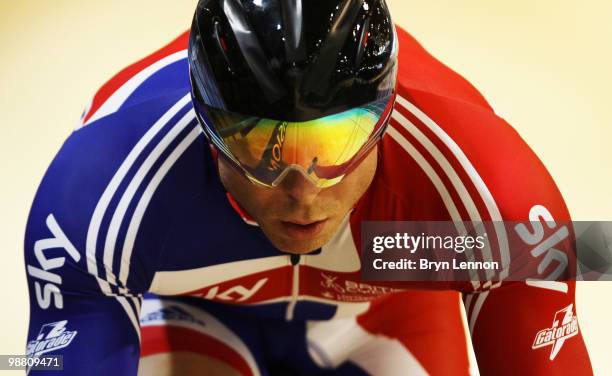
302	230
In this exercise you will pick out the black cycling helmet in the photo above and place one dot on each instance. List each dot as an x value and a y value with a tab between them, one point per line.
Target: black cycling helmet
293	84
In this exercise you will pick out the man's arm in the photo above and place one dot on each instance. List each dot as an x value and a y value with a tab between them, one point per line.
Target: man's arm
77	308
69	315
527	330
92	334
527	327
501	179
83	279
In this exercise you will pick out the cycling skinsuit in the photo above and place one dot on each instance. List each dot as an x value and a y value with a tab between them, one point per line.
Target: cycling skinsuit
133	247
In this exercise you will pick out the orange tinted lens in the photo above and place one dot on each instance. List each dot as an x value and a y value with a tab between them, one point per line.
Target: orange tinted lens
322	148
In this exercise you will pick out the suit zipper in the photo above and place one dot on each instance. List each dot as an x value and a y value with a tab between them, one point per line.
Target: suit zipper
295	287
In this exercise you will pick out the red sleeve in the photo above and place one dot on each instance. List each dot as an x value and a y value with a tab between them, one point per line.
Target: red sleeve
517	328
526	330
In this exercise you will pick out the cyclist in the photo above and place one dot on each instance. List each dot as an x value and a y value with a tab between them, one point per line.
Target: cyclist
204	218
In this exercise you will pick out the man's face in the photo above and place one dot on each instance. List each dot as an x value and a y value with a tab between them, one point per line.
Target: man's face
297	216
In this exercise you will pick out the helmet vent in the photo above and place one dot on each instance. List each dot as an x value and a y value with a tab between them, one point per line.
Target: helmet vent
292	19
363	42
222	45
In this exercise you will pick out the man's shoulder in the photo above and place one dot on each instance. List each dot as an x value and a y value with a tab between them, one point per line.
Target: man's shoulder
446	148
420	71
132	123
140	111
153	76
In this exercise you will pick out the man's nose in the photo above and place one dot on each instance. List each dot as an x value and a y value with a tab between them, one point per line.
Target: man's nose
299	188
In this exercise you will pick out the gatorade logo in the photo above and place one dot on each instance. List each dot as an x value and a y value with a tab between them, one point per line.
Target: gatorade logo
564	326
51	337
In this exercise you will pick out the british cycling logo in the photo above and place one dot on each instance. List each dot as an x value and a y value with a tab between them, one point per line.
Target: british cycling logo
52	336
564	326
351	291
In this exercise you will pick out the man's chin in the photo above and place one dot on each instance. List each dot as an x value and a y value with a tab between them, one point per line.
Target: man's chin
299	244
298	247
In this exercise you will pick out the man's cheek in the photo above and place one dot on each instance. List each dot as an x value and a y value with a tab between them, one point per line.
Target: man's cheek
265	209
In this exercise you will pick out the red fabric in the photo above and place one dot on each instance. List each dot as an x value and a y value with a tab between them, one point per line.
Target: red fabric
420	71
161	339
241	212
431	328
